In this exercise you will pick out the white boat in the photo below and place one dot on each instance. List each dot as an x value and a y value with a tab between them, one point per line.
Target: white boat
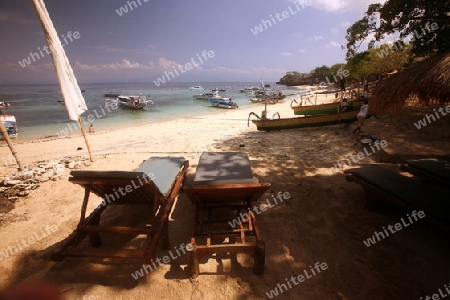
206	96
9	122
249	89
4	104
132	102
198	87
223	103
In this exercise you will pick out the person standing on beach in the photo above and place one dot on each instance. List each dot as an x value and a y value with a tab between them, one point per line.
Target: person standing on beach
366	87
363	111
91	129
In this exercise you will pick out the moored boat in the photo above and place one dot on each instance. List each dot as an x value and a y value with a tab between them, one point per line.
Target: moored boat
206	96
112	94
307	121
198	87
132	102
223	103
249	89
326	108
4	104
9	122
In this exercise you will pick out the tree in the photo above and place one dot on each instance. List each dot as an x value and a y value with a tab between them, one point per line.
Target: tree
387	58
321	72
427	22
334	68
356	66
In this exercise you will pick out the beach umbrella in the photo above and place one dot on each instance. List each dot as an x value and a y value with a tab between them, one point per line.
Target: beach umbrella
73	99
428	80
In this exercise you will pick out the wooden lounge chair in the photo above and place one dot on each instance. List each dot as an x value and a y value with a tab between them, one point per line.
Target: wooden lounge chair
223	190
430	170
155	184
381	185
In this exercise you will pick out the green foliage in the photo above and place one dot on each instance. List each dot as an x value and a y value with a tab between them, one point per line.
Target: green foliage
322	71
356	66
387	58
409	18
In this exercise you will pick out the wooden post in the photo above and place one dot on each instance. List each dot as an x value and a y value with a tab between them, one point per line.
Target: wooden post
85	138
10	145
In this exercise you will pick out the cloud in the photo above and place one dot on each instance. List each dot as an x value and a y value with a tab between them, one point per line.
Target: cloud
250	71
318	38
32	67
345	24
286	54
163	65
334	30
107	48
10	16
359	6
123	65
301	51
334	44
296	35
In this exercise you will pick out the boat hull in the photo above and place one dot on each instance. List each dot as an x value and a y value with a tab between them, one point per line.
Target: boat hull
9	122
225	103
311	121
327	108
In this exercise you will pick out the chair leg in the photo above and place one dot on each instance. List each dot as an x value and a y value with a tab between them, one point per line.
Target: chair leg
260	258
94	238
165	238
193	265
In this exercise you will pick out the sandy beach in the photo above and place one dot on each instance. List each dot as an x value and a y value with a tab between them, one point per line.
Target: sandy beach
324	220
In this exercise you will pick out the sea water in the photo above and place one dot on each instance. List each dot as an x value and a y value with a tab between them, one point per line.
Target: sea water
40	112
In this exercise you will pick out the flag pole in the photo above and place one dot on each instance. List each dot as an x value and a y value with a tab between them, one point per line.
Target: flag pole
85	138
10	145
73	98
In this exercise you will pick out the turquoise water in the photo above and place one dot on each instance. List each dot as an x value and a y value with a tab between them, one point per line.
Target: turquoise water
39	114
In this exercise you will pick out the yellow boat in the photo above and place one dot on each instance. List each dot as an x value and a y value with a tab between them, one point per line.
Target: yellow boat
326	108
307	121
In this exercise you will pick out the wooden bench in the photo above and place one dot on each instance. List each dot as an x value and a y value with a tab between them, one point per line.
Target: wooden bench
430	170
384	185
155	184
223	190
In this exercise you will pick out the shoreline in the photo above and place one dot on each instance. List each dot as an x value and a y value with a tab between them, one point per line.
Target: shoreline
219	122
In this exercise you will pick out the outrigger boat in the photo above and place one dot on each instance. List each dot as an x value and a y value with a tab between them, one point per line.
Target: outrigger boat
132	102
4	104
266	124
206	96
112	94
326	108
9	122
223	103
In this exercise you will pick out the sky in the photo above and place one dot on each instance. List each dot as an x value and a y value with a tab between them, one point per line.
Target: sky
218	39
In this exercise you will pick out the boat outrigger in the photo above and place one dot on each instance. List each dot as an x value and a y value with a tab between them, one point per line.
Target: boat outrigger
131	102
326	108
301	122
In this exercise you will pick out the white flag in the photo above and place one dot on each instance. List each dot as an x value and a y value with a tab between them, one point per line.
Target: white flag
73	98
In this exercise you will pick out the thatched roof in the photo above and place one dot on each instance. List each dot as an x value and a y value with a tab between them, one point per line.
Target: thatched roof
428	79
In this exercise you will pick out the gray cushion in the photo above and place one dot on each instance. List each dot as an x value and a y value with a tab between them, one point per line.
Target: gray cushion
435	167
223	166
433	200
165	170
230	181
106	174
